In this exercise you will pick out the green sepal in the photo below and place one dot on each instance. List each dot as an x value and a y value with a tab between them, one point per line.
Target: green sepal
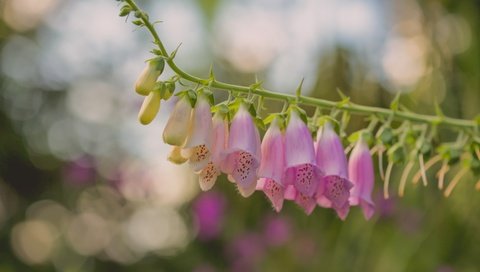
259	123
411	138
256	85
449	152
190	94
475	166
158	64
221	108
345	100
301	112
387	136
157	52
251	109
138	14
125	10
279	117
327	118
137	22
168	90
208	94
426	148
396	153
363	134
192	97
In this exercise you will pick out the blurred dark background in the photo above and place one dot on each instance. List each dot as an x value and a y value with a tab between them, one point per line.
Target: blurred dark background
85	187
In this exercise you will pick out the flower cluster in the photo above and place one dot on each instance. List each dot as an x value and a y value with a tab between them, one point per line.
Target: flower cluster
287	165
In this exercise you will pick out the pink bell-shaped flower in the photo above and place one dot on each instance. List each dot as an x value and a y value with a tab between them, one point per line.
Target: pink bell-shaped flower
301	168
242	157
334	189
197	148
360	171
208	175
272	165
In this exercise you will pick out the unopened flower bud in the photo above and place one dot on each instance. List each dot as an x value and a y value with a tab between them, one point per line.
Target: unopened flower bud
147	79
150	108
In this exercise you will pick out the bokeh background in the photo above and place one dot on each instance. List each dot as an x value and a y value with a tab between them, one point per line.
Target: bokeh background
85	187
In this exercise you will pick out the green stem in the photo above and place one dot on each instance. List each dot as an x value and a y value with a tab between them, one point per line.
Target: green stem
350	107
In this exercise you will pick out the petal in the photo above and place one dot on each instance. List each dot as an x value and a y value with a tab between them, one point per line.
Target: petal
298	142
290	192
307	203
304	177
274	192
337	190
220	138
198	157
272	164
244	172
323	202
330	155
244	134
368	209
201	129
208	176
176	155
179	123
343	211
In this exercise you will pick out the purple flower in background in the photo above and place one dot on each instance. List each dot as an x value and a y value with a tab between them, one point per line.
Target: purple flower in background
246	251
80	172
334	189
209	211
204	268
277	230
